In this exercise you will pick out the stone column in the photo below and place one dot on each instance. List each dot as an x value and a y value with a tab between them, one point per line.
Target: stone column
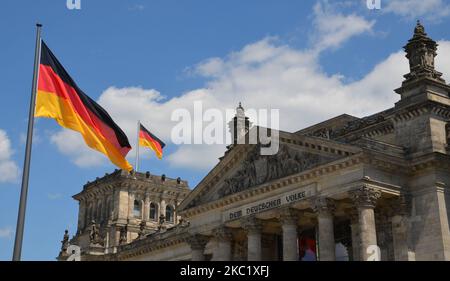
197	243
324	208
146	207
162	208
130	205
253	227
365	199
400	225
223	244
354	226
289	219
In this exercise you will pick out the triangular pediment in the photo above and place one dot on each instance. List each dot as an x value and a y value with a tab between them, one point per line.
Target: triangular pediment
256	169
243	167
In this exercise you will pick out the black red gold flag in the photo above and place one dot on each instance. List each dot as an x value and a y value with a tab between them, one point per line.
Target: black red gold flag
149	140
58	97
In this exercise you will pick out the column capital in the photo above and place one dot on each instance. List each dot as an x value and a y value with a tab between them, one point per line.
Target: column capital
251	224
323	205
365	196
289	216
197	241
222	233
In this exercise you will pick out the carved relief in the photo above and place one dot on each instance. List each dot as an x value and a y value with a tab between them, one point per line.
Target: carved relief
324	133
257	169
123	235
94	235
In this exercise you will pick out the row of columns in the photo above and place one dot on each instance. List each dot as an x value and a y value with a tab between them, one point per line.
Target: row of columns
96	209
363	231
145	209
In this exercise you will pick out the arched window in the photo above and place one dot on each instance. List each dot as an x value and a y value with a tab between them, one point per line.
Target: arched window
169	213
153	211
137	209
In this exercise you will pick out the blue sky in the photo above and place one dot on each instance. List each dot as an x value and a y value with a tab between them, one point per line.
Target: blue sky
143	59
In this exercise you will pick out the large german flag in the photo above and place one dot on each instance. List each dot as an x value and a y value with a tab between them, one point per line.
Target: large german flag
149	140
58	97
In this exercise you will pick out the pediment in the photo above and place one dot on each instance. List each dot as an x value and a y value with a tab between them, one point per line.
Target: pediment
252	169
255	169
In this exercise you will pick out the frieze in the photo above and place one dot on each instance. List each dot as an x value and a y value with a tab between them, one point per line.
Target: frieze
257	169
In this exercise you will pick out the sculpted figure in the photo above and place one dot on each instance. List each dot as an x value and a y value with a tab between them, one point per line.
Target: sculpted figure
123	235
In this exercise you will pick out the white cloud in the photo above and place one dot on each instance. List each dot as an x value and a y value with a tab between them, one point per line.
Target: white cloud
414	9
70	143
197	157
6	232
264	74
9	172
333	28
278	77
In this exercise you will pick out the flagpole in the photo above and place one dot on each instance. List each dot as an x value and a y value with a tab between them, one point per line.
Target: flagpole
137	146
26	166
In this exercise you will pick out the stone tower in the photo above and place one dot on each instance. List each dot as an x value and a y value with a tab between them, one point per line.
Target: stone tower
422	93
122	207
421	127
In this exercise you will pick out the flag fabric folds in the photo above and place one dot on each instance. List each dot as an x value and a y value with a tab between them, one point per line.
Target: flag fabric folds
149	140
58	97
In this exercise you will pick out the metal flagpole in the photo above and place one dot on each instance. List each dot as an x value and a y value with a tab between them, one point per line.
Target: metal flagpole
137	146
26	166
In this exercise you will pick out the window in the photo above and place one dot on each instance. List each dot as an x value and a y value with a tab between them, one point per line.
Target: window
169	213
153	212
137	209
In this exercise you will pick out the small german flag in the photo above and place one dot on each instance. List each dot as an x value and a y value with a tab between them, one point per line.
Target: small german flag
149	140
58	97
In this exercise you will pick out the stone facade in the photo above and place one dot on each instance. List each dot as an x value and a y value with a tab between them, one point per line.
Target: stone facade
348	188
122	207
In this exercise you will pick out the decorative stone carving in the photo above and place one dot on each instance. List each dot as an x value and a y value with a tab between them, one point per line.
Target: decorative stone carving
183	223
123	235
323	205
257	169
94	235
222	234
251	224
197	241
141	233
324	133
420	52
65	242
365	196
162	220
289	216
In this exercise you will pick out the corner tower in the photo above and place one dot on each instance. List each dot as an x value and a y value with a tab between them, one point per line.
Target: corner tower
423	109
121	207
